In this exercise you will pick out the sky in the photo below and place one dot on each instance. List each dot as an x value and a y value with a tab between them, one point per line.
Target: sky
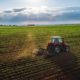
7	4
39	10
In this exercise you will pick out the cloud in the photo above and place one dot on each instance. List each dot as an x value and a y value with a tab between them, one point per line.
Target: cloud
68	14
40	14
8	11
19	10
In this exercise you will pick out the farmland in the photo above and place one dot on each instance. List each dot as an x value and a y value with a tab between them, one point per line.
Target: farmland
18	61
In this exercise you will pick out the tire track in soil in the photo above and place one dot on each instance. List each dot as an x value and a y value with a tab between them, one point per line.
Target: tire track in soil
29	48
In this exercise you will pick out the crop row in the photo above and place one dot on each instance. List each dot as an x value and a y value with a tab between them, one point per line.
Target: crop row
35	70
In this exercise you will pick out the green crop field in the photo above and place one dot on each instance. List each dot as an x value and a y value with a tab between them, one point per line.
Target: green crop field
18	45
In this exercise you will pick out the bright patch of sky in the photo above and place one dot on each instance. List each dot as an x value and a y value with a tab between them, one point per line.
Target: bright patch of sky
9	4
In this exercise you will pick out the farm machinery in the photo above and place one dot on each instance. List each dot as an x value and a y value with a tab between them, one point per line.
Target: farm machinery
55	46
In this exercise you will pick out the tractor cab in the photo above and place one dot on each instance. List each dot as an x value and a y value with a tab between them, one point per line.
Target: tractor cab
56	40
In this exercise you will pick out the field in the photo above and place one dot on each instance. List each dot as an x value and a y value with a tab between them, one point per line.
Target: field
17	53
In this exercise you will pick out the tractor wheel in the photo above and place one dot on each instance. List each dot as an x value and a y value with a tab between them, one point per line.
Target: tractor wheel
57	49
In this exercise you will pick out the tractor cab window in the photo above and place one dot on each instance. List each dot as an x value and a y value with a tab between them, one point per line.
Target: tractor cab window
60	40
56	40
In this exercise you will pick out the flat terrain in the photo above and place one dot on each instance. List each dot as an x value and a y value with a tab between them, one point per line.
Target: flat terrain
18	61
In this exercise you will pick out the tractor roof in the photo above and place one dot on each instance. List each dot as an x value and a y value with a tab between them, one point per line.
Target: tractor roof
56	37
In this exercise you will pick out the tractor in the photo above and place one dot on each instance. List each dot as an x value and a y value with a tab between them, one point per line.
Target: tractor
55	46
